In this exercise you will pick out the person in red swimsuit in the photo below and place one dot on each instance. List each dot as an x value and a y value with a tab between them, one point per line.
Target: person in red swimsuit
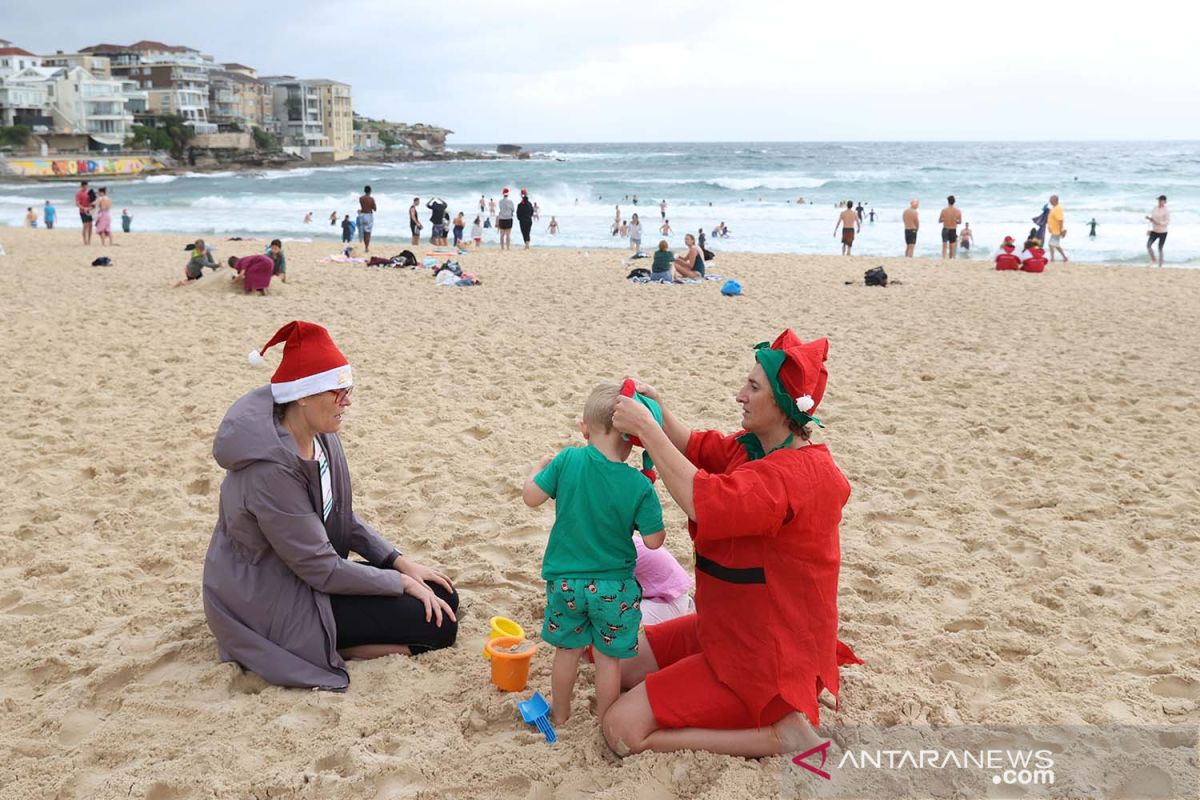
741	676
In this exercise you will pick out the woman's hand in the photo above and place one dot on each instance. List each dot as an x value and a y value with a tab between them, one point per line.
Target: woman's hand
632	417
646	390
435	607
422	573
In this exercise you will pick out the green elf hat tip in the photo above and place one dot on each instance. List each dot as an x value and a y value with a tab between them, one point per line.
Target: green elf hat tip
797	374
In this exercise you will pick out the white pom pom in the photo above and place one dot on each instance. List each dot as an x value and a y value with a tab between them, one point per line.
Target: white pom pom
256	359
804	402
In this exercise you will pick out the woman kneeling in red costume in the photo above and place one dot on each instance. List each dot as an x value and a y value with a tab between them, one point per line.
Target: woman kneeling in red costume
741	676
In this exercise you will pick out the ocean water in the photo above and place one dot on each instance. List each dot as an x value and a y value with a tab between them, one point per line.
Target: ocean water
754	188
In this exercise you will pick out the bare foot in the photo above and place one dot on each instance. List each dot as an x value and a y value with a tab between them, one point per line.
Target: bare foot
794	734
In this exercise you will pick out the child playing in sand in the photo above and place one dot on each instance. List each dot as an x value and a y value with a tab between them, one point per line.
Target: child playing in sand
275	251
201	258
592	597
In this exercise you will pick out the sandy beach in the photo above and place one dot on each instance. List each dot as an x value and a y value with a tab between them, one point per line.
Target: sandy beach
1020	545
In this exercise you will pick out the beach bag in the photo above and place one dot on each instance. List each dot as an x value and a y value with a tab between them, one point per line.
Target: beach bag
709	255
405	258
102	261
639	272
731	288
875	277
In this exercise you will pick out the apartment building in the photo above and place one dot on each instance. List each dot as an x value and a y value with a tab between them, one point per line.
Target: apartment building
298	113
337	117
70	100
175	78
97	65
238	99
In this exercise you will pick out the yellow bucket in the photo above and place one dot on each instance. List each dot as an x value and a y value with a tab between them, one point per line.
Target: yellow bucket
502	626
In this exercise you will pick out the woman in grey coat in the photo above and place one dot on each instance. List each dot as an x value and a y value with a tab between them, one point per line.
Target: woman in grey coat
281	593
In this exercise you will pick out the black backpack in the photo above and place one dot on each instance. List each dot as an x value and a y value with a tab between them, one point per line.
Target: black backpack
405	258
875	277
709	255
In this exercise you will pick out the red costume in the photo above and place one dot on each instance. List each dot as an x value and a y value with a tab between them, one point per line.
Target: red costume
1037	263
767	560
1008	259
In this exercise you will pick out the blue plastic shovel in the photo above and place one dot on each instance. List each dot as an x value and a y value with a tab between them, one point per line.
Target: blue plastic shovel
536	711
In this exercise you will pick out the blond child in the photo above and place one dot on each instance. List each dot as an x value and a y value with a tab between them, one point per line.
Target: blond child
592	596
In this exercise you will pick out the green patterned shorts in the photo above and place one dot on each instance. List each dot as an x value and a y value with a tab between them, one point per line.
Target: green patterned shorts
602	613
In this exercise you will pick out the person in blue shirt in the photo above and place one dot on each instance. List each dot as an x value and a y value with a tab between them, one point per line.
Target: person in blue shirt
49	215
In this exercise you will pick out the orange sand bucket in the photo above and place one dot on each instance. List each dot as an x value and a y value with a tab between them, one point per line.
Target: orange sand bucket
510	671
502	626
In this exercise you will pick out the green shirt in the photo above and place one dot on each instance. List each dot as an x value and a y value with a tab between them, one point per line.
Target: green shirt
598	505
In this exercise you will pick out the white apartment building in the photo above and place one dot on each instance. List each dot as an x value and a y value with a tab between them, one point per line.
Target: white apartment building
298	115
70	100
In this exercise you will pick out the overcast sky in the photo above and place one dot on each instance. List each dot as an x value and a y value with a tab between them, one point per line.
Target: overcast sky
694	70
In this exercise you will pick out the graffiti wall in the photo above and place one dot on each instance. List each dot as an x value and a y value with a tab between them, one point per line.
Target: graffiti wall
64	167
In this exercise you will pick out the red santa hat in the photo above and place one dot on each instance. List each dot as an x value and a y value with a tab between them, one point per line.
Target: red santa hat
797	373
311	362
505	191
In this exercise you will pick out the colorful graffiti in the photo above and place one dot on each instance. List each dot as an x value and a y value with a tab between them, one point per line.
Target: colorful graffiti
65	167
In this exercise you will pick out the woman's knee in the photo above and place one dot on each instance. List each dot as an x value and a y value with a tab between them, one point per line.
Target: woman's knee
629	722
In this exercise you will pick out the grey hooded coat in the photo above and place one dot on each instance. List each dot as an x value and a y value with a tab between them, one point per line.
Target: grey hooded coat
272	562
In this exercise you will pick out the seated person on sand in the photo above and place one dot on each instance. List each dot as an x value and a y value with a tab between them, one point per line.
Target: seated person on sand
281	594
253	271
690	265
1007	259
763	507
201	258
661	269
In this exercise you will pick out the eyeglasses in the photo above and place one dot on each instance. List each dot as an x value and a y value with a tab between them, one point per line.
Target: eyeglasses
342	396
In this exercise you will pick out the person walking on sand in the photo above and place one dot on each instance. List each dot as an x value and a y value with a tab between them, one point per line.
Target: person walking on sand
850	224
84	199
912	222
950	218
1159	219
104	216
366	217
1055	224
49	215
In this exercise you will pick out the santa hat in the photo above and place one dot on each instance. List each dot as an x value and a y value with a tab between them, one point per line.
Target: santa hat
311	362
505	190
796	372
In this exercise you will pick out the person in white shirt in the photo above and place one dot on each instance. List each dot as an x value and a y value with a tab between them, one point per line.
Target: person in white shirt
1159	218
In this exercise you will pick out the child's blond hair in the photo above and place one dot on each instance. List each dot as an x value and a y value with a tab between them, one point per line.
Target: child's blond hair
600	405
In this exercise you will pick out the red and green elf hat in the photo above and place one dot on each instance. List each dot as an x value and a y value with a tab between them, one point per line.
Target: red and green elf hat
796	372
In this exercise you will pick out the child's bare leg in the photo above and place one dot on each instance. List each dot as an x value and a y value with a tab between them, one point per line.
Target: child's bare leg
562	682
608	682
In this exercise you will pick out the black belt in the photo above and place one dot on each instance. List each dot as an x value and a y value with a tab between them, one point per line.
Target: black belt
730	574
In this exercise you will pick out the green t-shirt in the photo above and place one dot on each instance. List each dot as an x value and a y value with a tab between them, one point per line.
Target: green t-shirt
663	259
598	504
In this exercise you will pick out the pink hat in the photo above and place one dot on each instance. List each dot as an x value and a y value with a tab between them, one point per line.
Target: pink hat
311	362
